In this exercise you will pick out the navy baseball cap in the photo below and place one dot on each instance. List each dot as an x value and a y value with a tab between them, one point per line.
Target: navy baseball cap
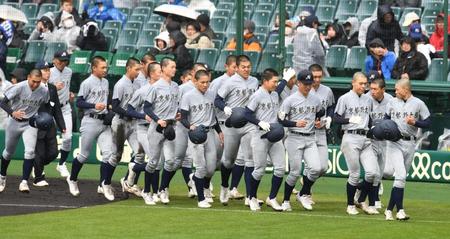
305	77
62	56
42	65
415	31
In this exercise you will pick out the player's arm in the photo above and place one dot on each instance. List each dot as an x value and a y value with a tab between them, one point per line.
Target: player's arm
425	123
282	115
82	103
131	111
288	74
58	115
217	126
117	109
148	109
185	118
4	104
339	112
340	119
219	102
250	116
425	117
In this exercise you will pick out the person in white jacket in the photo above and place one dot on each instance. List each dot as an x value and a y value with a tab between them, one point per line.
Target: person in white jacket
68	32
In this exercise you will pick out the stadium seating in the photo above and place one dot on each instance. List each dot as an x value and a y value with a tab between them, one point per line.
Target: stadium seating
79	61
35	51
113	24
105	54
142	51
13	58
220	64
436	71
52	48
30	9
356	58
207	55
336	57
47	7
119	60
128	37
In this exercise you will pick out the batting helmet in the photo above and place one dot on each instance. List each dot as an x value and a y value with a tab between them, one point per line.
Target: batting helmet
237	118
386	130
198	135
275	134
42	121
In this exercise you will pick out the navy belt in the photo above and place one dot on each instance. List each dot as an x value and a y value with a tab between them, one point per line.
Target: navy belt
221	122
20	120
97	116
126	118
302	134
357	131
408	137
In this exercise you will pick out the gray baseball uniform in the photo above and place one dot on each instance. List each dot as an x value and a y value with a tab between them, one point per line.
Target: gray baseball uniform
123	127
21	97
287	92
265	105
300	142
201	112
236	92
94	90
141	80
4	85
164	99
182	152
355	146
65	77
326	98
379	146
401	153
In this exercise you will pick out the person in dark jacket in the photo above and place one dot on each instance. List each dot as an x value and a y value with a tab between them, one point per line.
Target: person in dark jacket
334	35
205	28
177	43
67	6
46	144
386	27
351	32
410	63
91	38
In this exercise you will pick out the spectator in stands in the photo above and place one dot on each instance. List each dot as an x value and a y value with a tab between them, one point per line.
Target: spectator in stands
67	6
68	32
6	37
437	38
161	46
90	38
205	28
308	49
251	43
288	30
351	34
177	43
410	63
195	38
177	2
380	59
103	12
18	75
19	38
44	28
334	35
413	18
203	5
364	27
298	20
126	3
423	47
385	27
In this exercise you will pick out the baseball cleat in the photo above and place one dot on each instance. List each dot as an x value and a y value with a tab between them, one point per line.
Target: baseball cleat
136	190
164	196
362	205
274	204
2	183
99	190
156	198
371	210
62	169
235	194
401	215
378	205
108	192
286	206
73	187
351	210
148	198
203	204
124	184
192	193
388	214
247	201
131	173
224	195
23	187
304	200
254	205
207	194
41	183
295	191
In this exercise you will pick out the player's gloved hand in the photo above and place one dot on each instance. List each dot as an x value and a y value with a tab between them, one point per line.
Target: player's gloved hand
227	110
355	119
264	126
288	73
327	122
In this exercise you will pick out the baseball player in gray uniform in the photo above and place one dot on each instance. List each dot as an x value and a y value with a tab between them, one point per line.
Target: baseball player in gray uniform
197	110
93	99
379	99
235	92
4	84
183	157
353	112
238	168
141	79
262	110
161	105
60	76
410	113
301	113
136	110
123	126
21	102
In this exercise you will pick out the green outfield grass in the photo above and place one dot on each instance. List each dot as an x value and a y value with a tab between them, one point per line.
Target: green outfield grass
427	204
